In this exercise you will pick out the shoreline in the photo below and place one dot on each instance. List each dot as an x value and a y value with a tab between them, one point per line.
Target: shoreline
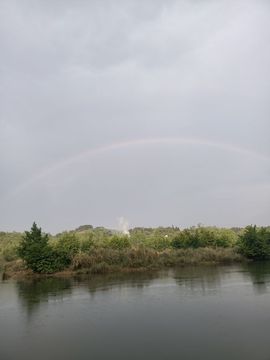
134	261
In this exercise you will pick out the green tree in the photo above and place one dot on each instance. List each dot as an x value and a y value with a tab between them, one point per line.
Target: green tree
36	252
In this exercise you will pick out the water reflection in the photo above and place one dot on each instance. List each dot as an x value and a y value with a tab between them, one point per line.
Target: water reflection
259	274
202	312
33	292
202	280
197	280
107	282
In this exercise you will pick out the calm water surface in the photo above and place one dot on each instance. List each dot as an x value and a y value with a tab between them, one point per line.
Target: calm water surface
188	313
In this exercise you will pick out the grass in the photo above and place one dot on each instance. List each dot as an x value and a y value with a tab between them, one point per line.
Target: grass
104	260
108	260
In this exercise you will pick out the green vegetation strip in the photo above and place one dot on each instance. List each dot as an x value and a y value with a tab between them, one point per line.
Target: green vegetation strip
99	250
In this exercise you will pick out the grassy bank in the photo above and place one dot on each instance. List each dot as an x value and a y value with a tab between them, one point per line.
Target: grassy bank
102	260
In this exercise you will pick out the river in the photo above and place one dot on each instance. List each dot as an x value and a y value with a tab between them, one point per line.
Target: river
203	312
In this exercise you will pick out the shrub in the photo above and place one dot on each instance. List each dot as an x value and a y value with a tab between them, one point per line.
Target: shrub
87	244
119	242
66	247
10	252
178	242
158	242
254	243
204	237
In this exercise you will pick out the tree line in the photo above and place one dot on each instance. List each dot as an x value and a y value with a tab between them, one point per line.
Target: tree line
44	253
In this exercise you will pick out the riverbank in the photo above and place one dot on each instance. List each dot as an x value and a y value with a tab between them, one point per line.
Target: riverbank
102	261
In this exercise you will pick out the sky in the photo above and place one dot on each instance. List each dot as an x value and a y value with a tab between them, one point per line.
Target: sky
148	113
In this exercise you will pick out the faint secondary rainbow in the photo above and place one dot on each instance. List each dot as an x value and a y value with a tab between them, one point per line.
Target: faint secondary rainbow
170	141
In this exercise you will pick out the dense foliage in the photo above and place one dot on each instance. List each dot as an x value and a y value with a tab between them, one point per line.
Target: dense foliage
65	249
8	245
42	257
36	252
254	243
204	237
102	247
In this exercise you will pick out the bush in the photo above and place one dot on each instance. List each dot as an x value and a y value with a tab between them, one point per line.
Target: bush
254	243
188	238
158	242
86	244
119	242
204	237
10	252
65	249
178	242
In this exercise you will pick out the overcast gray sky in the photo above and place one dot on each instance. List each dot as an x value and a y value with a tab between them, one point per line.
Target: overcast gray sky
157	111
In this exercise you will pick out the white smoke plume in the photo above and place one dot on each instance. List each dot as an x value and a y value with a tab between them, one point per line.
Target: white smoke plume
123	226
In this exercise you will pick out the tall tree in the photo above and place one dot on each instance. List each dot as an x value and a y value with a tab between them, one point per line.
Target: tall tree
35	251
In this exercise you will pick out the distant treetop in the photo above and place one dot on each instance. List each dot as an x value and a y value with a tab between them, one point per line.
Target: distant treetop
84	228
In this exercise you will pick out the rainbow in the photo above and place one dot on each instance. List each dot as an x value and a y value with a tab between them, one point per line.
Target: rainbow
168	141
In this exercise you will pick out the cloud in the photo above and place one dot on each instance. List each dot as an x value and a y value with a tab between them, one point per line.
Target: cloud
78	75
